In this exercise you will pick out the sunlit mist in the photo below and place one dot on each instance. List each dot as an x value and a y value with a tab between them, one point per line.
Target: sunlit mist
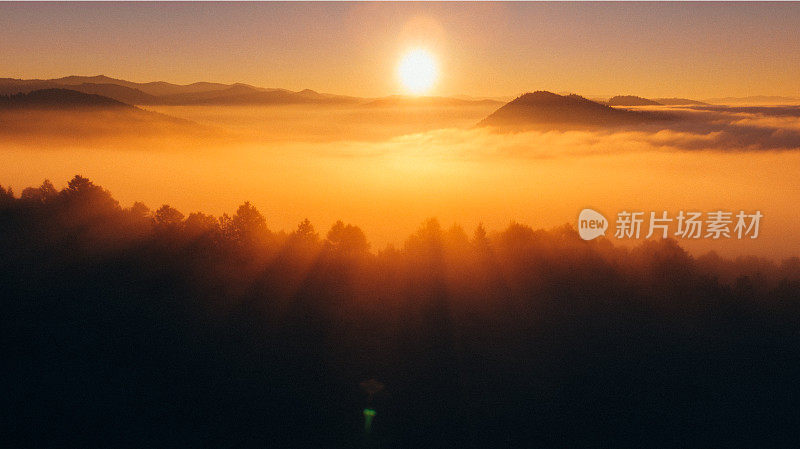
400	224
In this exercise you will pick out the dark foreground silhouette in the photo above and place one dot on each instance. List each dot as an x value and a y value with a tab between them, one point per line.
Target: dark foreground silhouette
126	328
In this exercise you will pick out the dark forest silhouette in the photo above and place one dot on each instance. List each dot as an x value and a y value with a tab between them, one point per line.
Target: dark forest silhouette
125	327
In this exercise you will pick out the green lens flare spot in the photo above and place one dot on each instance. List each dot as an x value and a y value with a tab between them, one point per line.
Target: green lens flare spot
369	414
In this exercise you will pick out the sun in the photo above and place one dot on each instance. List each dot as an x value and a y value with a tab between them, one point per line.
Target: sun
417	71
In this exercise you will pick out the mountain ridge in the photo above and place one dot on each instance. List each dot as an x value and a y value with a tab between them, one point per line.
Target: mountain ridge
755	99
546	110
59	99
69	114
161	93
631	100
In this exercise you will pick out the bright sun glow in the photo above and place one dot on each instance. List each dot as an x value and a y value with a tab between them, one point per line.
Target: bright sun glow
417	71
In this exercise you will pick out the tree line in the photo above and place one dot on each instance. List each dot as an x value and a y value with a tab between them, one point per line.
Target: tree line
130	327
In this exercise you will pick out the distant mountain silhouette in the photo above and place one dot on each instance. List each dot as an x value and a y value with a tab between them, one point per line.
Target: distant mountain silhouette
118	92
162	93
59	99
241	94
203	93
210	96
679	102
792	111
156	88
402	100
631	100
757	99
546	110
10	86
69	114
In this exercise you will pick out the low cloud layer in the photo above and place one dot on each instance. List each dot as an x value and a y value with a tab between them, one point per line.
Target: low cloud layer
711	129
449	131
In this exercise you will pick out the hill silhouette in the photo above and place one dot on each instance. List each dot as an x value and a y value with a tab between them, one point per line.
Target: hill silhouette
65	114
241	94
631	100
756	100
204	93
168	94
406	101
679	102
60	99
155	88
546	110
119	92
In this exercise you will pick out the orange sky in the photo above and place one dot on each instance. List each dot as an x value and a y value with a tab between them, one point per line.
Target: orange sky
695	50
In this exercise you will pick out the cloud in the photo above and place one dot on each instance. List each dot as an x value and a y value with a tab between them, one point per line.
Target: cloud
699	129
445	134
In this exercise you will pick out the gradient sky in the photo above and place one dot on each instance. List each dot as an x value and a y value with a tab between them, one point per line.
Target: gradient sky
698	50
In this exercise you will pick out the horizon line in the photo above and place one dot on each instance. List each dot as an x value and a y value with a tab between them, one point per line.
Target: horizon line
506	97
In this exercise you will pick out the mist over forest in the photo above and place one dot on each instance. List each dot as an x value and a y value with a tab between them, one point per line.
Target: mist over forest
274	267
399	225
390	163
131	327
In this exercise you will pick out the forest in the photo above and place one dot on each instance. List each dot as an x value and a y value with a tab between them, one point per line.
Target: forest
132	327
